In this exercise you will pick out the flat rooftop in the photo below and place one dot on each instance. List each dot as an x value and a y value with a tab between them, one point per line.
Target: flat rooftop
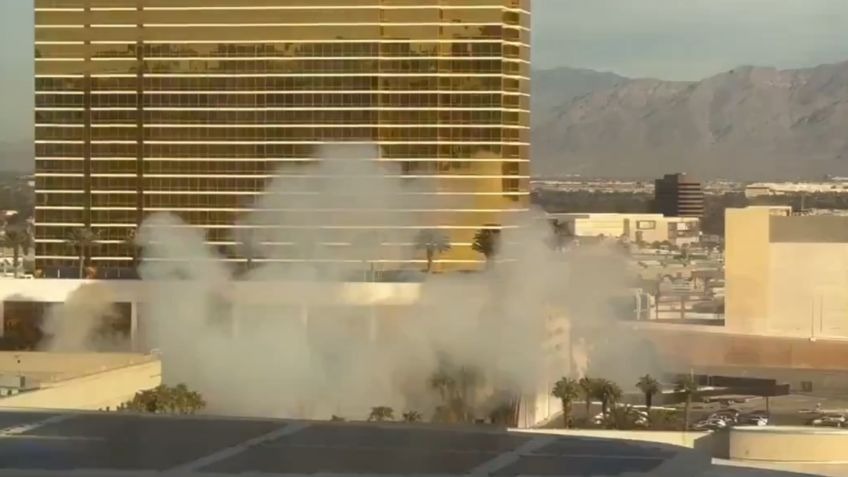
104	444
44	367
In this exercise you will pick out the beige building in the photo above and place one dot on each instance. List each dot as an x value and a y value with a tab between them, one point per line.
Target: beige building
636	227
79	381
786	274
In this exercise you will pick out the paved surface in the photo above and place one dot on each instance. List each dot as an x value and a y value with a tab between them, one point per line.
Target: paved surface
57	444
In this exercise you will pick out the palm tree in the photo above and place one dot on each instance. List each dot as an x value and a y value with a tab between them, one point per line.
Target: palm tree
649	387
131	241
411	416
559	234
19	239
432	242
587	387
82	239
444	383
566	390
608	393
381	414
247	247
686	386
467	380
368	244
487	242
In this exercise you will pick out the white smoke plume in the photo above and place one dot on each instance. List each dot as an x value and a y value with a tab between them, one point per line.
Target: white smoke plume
222	332
84	322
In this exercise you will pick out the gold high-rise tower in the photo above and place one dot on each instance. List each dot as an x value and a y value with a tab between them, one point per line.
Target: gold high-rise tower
192	106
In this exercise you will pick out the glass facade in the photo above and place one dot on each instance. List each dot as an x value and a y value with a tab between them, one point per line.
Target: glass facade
192	106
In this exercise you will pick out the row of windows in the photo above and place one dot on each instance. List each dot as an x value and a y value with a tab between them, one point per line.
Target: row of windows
317	66
336	66
131	166
274	100
291	16
283	84
223	184
275	251
349	116
163	200
323	33
390	151
299	134
470	134
292	218
151	4
279	50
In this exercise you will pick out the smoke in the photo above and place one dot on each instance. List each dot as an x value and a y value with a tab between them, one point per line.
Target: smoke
279	340
87	321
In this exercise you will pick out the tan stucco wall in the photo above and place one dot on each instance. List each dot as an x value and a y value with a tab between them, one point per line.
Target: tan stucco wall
254	292
91	391
683	439
746	269
789	444
808	289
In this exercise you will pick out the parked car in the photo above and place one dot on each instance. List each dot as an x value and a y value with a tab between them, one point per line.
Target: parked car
754	420
710	424
829	420
729	416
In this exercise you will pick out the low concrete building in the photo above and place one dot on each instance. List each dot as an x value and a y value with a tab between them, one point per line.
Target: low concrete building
635	227
786	274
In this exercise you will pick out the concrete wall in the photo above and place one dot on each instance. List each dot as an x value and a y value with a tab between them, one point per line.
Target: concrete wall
713	347
94	391
258	292
809	289
710	443
789	444
747	269
786	275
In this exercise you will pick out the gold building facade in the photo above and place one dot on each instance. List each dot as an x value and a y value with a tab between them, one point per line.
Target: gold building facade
193	106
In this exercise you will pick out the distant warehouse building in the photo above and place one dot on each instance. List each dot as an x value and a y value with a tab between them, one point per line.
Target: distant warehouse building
785	274
635	227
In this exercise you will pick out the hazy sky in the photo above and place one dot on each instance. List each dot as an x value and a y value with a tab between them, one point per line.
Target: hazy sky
670	39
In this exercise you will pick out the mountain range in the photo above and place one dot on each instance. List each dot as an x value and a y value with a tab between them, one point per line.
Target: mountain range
748	123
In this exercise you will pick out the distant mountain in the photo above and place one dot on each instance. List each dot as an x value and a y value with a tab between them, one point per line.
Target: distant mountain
554	87
748	123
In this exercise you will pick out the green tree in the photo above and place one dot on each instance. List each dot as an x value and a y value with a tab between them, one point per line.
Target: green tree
608	393
381	414
487	243
82	239
587	387
432	242
19	239
335	418
411	416
687	387
649	387
566	390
